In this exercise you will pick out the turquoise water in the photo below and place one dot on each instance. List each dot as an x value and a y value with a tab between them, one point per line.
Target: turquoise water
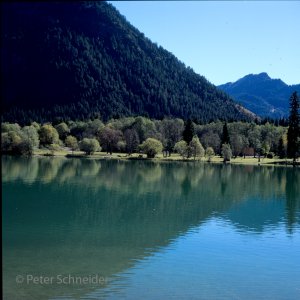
91	229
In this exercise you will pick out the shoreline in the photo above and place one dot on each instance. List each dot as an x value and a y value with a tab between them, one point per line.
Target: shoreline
174	158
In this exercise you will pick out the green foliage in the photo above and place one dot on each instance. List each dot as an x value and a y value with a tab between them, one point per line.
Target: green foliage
78	129
36	125
151	147
265	149
10	141
281	149
144	127
237	144
48	135
25	148
19	141
62	130
7	127
225	135
109	139
197	149
131	140
255	140
122	123
71	142
226	152
30	136
189	131
209	152
293	134
212	140
181	147
121	146
92	128
171	132
119	135
93	63
89	146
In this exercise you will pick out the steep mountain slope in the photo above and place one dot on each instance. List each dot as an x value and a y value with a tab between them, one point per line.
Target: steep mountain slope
83	59
262	95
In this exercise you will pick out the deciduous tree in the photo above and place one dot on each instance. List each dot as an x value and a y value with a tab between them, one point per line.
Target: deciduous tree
226	152
132	140
196	148
209	153
181	147
71	142
62	130
89	146
151	147
48	135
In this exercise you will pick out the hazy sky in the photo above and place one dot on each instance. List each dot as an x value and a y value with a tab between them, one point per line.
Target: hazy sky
221	40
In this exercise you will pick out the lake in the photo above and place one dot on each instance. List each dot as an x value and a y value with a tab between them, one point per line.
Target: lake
107	229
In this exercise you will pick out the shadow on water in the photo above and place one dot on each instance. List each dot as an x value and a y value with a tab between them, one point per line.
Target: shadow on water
84	216
292	191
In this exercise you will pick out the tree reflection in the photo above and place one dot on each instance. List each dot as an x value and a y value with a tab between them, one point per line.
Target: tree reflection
122	211
292	198
172	182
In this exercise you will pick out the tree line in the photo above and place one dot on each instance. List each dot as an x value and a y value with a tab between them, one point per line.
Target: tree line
143	135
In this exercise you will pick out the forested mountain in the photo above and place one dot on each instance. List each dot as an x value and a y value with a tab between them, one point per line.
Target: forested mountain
262	95
82	60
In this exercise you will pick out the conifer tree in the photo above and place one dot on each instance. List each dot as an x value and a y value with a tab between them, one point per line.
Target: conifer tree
188	132
225	135
293	134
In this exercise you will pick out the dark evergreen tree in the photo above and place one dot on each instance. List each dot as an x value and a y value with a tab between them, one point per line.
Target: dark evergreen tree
188	131
293	134
225	135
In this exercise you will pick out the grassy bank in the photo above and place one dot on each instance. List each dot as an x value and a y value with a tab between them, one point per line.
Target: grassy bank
160	157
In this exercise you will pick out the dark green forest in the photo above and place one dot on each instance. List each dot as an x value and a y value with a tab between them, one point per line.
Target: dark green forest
83	60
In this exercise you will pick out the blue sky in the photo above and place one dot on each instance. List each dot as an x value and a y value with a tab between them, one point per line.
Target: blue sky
221	40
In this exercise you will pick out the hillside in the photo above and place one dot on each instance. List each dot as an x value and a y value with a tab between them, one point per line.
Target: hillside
262	95
82	60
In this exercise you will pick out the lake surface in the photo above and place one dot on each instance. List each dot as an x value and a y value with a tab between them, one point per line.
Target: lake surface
91	229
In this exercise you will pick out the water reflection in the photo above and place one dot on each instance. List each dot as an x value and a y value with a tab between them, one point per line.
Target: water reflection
292	191
84	216
176	189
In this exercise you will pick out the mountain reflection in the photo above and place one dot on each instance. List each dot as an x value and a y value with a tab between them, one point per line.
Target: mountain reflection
115	212
185	190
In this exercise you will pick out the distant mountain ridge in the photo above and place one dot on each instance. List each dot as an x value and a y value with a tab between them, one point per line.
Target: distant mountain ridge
79	60
261	94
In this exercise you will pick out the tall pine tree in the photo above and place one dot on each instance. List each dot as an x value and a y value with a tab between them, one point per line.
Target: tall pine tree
188	132
293	135
225	135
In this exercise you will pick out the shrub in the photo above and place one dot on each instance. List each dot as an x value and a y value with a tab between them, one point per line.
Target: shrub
151	147
89	146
